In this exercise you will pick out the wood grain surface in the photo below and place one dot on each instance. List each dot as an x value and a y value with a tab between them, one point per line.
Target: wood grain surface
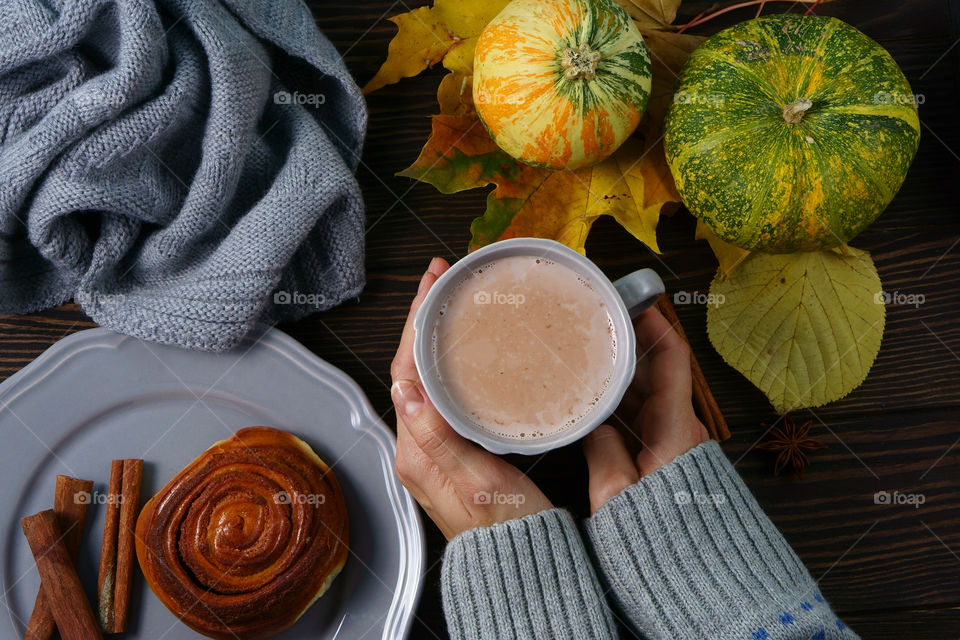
891	571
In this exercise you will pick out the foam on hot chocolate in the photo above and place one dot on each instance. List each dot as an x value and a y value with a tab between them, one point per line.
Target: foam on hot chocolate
525	347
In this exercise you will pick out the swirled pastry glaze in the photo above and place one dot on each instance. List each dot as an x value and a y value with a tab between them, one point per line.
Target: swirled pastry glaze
245	538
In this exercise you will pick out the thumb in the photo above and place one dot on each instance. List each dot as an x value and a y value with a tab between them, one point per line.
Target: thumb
610	465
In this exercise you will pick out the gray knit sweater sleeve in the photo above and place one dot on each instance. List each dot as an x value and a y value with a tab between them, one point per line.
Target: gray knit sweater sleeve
687	552
526	578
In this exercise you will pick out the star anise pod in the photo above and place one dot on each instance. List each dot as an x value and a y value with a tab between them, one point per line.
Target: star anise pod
791	444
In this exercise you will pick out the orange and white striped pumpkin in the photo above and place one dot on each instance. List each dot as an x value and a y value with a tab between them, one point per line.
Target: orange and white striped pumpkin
561	83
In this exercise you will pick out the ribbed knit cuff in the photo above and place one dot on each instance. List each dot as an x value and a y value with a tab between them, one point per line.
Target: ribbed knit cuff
687	552
525	578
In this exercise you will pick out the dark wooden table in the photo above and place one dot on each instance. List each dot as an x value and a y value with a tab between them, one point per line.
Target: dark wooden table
890	571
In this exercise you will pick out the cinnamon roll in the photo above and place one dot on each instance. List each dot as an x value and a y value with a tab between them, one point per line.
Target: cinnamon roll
245	538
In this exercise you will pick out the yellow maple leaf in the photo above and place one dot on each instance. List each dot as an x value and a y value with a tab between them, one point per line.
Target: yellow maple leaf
633	186
630	186
427	35
565	204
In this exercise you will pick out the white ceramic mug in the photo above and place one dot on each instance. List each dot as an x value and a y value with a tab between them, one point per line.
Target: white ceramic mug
625	299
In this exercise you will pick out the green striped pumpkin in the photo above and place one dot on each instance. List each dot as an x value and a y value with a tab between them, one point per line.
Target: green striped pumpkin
790	133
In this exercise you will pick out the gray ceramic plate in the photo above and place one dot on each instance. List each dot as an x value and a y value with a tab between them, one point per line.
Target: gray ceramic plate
97	395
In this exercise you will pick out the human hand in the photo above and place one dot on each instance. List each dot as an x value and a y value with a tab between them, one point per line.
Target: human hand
659	398
454	480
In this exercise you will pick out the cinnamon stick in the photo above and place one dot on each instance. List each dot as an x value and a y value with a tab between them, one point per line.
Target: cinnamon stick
126	548
703	400
108	549
70	501
115	578
61	585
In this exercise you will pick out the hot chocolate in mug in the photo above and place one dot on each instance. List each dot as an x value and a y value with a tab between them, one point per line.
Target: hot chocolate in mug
525	346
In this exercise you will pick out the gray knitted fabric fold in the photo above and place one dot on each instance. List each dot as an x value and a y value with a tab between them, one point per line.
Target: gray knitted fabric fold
174	163
526	578
688	553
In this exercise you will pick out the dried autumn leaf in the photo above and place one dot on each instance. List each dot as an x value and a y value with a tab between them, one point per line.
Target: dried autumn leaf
633	185
729	256
428	35
563	206
455	95
651	14
459	59
529	201
668	53
460	155
804	328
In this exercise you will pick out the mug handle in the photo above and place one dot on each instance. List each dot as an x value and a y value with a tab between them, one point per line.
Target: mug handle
639	290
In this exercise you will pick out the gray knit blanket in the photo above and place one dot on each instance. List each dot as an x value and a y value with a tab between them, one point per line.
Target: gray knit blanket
182	168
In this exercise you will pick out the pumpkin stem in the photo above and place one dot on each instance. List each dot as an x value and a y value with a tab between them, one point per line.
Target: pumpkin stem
793	112
580	62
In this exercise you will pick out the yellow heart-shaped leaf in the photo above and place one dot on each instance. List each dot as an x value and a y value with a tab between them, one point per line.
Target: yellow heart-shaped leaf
804	328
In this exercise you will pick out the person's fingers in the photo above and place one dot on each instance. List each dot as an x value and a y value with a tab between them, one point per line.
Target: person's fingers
430	433
639	388
415	469
610	466
417	473
652	329
667	354
403	367
668	429
408	465
630	404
